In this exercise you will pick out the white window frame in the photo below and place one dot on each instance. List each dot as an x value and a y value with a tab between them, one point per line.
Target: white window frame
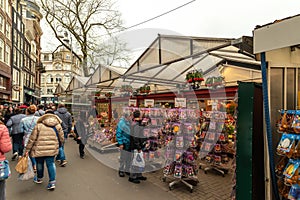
7	54
1	50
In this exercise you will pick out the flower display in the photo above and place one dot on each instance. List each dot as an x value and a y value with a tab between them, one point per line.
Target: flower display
194	78
126	88
145	89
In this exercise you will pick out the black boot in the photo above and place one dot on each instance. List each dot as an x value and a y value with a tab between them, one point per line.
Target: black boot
121	174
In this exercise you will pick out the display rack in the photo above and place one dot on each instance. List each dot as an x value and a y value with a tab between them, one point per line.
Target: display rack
217	141
181	153
102	139
287	168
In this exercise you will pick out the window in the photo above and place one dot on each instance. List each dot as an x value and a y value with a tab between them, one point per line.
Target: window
1	50
2	4
46	57
33	47
1	24
68	57
58	78
49	91
67	79
7	54
8	31
8	9
58	66
49	78
2	83
67	67
43	79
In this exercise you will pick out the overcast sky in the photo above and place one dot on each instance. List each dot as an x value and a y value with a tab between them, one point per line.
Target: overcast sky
210	18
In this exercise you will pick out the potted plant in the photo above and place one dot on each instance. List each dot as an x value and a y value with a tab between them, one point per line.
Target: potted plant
194	78
109	94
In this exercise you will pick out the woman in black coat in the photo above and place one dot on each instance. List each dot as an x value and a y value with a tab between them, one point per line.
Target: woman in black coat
80	130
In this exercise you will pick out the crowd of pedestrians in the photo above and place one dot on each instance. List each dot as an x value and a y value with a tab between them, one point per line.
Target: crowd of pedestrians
40	132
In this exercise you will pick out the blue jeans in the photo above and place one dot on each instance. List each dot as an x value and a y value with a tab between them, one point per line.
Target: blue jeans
2	190
61	153
33	161
50	166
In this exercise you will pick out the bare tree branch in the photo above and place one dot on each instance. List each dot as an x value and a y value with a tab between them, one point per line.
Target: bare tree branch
86	21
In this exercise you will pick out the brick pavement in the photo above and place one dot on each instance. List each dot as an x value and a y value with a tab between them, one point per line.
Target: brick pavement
211	186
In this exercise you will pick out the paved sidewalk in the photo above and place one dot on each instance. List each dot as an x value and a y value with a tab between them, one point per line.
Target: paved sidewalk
96	177
211	186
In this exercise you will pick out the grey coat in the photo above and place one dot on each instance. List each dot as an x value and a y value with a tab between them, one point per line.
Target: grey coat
14	123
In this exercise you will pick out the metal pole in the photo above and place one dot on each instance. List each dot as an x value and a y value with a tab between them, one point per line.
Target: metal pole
268	123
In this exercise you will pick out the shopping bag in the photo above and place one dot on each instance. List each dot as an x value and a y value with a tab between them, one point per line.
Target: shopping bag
4	170
22	165
29	174
138	159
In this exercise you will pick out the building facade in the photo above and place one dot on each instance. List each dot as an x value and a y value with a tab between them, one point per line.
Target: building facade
60	66
32	65
25	54
5	50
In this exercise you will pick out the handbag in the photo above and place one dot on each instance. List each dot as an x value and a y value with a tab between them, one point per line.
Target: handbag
22	165
4	170
29	174
138	160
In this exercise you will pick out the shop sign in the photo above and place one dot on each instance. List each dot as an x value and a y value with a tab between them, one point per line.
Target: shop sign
149	103
132	102
180	102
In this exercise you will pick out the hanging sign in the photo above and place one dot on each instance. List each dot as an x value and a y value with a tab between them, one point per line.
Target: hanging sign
180	102
132	102
149	103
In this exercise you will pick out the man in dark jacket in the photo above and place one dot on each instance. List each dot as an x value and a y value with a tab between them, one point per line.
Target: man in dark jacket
16	133
66	118
137	143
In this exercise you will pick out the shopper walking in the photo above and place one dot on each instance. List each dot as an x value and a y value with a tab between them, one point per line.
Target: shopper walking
43	145
137	143
16	133
80	130
40	110
26	125
5	146
66	118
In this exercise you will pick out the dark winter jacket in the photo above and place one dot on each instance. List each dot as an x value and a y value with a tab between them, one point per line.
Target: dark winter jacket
14	123
66	118
80	130
137	140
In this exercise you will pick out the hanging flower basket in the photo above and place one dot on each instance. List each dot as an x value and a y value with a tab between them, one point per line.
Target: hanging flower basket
97	94
215	82
194	78
109	94
145	89
126	88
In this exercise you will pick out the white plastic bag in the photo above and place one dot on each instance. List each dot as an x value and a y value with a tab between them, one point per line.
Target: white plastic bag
138	159
29	174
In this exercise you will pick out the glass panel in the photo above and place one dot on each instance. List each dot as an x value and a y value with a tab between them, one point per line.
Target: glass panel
291	83
174	48
276	100
276	92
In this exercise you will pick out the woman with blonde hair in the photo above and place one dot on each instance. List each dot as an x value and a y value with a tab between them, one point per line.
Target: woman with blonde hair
26	125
